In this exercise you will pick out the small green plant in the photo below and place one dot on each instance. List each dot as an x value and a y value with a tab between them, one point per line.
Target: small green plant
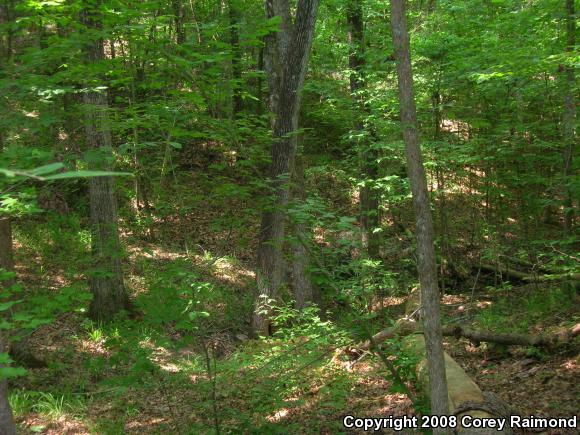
96	335
53	406
21	402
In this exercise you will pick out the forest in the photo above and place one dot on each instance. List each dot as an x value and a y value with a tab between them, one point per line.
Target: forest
289	217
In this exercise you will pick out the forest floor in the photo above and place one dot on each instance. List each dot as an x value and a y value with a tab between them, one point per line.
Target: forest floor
154	374
138	377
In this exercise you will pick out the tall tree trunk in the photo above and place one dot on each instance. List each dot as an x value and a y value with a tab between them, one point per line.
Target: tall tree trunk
301	283
236	58
7	426
7	16
368	197
286	58
569	113
6	258
426	263
178	18
6	262
106	280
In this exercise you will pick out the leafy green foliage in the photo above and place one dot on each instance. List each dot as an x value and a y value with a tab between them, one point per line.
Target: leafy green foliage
490	87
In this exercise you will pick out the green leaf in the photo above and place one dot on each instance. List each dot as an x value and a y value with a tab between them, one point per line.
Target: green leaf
46	169
6	305
5	359
11	372
7	172
86	174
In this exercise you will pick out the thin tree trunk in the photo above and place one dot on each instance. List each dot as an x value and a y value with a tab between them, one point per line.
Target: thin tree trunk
569	114
7	426
440	178
286	57
6	262
178	18
368	197
426	263
106	280
236	58
6	256
7	16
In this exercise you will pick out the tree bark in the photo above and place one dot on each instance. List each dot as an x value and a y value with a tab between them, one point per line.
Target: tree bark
6	256
6	262
178	20
7	426
529	277
368	197
465	397
426	263
286	58
234	18
406	327
106	280
303	290
7	16
569	114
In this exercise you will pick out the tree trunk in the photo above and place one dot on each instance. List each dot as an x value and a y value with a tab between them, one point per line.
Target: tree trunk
236	58
106	280
426	263
7	16
368	197
301	283
286	58
569	114
6	256
6	262
178	18
7	426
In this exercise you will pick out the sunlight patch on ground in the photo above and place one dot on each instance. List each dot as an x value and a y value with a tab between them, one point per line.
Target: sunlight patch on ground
153	252
454	299
161	356
233	273
63	426
93	347
484	304
144	426
278	415
389	301
394	402
471	348
572	364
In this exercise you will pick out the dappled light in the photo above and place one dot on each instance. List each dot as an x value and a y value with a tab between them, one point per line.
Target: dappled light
248	217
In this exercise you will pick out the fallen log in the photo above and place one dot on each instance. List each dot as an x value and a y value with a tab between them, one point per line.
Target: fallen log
406	327
479	335
523	276
402	327
504	270
528	265
554	278
465	397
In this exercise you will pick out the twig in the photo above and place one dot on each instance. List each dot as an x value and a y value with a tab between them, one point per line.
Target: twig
213	379
169	405
475	284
